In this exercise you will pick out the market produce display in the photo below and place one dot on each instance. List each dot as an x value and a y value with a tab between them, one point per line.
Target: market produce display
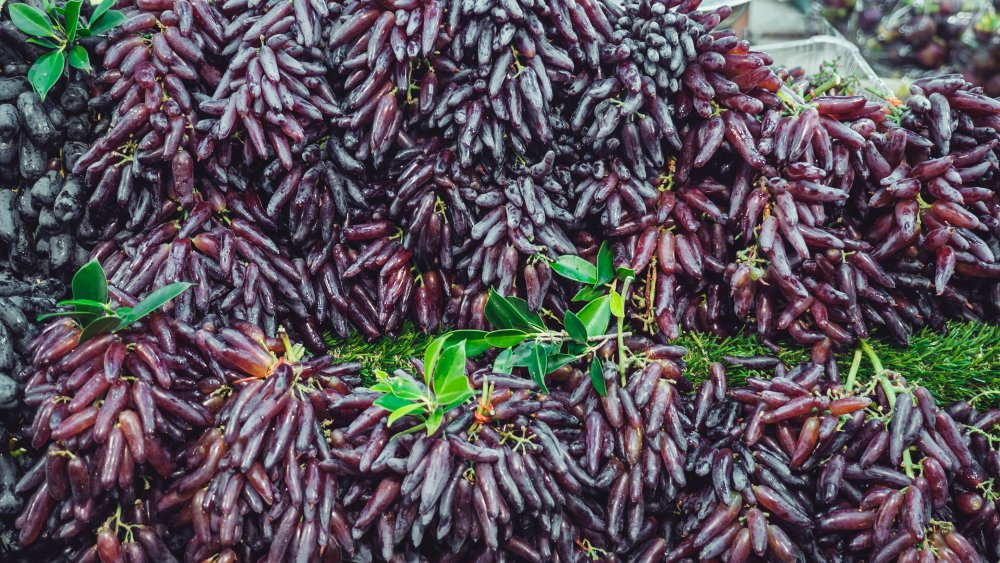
566	186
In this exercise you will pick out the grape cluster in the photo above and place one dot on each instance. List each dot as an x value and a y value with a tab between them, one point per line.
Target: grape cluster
481	141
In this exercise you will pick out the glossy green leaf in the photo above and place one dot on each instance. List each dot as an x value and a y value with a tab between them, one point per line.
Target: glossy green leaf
402	411
605	264
91	283
557	361
72	18
48	44
100	10
537	366
154	301
531	317
84	303
475	341
575	349
596	316
597	377
498	312
81	317
405	388
431	355
575	268
575	327
503	312
588	293
625	273
110	19
80	59
617	305
451	365
45	72
454	392
504	362
506	338
391	402
521	355
97	327
30	20
434	421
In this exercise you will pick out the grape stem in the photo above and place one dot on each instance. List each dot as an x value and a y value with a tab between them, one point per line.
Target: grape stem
621	329
852	375
890	395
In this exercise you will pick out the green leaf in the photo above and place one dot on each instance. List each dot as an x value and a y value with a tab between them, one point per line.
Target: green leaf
504	362
434	421
30	20
625	273
100	10
90	282
475	341
81	317
154	301
81	303
596	316
450	365
617	305
605	264
557	361
500	314
79	58
575	268
521	355
454	392
97	327
455	400
504	312
575	327
46	71
597	377
588	293
400	412
43	42
506	338
537	364
72	18
405	388
391	402
431	355
110	19
521	306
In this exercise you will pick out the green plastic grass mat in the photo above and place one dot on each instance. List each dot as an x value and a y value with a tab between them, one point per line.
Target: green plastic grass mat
962	365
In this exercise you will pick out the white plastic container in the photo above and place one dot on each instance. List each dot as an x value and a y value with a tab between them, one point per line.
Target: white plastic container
811	53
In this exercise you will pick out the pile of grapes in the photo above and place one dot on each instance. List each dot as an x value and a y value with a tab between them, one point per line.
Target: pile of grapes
318	168
176	442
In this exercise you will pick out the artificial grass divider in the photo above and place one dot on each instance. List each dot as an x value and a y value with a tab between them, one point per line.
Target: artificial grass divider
961	365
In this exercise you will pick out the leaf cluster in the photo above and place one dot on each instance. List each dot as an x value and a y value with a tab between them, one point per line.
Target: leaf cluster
59	29
444	386
91	308
528	342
